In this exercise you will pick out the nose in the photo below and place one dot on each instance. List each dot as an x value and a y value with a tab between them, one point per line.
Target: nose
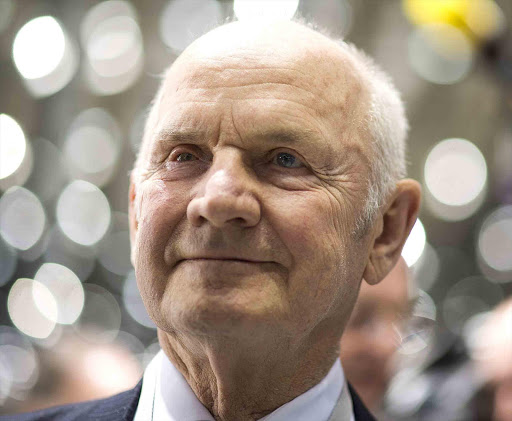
226	197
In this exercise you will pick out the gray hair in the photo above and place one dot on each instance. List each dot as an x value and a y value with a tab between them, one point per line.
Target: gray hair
385	126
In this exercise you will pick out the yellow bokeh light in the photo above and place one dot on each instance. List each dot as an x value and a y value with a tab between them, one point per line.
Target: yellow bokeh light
482	18
421	12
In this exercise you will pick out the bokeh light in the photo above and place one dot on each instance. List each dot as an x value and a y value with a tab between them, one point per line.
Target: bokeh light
415	244
488	336
67	289
455	176
22	218
427	268
133	302
440	53
101	316
38	47
255	10
92	146
18	362
112	40
44	55
337	16
450	11
102	366
407	392
12	144
483	18
494	246
26	298
182	21
467	298
83	212
418	332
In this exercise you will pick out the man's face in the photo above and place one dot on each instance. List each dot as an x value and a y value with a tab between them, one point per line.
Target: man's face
256	173
371	338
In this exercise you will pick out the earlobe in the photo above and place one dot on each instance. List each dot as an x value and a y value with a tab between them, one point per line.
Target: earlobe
397	221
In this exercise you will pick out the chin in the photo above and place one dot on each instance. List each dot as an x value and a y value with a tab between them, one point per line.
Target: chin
230	312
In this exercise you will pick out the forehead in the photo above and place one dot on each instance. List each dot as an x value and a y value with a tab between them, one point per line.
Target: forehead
324	76
307	90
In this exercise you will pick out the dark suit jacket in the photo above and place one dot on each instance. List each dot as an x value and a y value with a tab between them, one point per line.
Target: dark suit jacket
122	407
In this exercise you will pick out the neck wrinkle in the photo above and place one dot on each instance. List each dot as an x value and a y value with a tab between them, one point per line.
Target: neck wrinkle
232	389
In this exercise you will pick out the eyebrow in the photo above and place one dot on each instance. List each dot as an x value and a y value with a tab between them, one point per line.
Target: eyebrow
178	136
289	136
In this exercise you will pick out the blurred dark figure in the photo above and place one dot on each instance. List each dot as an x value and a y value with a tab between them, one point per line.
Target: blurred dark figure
77	370
492	357
370	340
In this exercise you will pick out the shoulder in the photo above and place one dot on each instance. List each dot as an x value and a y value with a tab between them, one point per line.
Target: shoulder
120	407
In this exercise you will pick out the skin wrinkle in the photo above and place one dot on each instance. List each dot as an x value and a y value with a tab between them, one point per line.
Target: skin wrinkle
235	330
340	76
281	111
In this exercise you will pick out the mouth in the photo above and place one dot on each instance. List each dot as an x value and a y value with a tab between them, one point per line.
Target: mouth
222	260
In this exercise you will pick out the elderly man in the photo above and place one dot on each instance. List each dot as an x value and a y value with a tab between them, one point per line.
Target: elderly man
268	185
371	337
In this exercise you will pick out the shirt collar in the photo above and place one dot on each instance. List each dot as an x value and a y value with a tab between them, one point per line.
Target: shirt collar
166	396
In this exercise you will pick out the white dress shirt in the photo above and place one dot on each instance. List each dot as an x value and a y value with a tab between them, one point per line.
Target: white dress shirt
166	396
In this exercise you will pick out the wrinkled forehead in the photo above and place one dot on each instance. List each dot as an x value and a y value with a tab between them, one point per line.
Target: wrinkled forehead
301	58
303	68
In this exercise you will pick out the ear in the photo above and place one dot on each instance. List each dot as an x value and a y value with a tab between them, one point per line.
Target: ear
396	224
132	217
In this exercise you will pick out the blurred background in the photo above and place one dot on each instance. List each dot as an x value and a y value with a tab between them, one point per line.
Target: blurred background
76	79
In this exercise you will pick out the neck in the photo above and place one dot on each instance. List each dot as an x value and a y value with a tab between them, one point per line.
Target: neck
237	381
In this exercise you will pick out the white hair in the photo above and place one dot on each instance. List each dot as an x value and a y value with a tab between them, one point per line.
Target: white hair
384	126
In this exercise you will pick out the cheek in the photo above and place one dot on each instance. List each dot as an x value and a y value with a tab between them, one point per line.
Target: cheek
312	228
161	208
324	267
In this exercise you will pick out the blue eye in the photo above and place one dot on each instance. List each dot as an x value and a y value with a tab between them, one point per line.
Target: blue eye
185	156
287	160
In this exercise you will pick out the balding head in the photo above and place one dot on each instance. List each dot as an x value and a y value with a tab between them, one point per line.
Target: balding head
361	98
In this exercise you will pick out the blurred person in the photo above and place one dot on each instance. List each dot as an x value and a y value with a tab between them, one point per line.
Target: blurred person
269	183
371	338
76	370
492	357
